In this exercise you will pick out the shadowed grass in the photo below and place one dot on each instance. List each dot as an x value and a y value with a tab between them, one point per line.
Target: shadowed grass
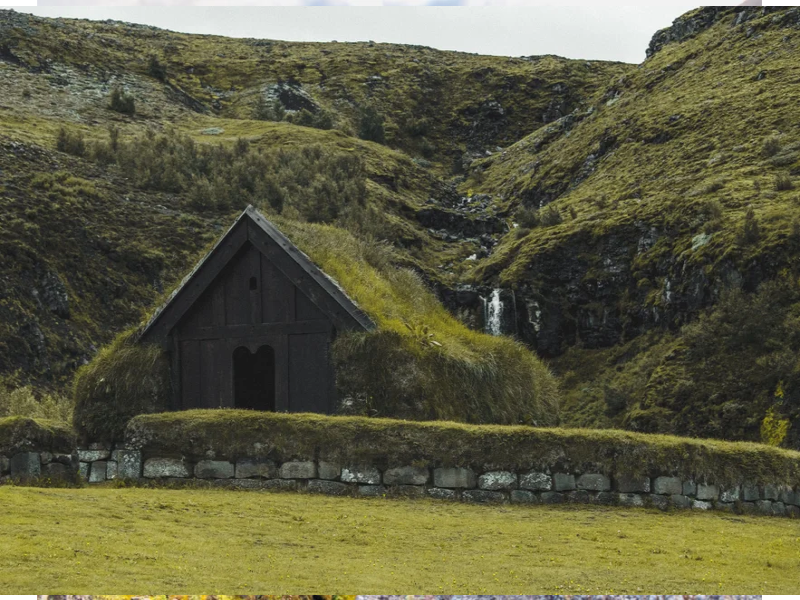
197	541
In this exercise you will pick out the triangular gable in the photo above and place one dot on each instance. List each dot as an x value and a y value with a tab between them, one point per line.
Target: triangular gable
252	227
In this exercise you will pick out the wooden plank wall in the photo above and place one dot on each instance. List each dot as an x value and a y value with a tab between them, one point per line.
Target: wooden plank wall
223	319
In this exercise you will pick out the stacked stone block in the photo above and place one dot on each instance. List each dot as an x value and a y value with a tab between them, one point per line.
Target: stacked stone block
26	467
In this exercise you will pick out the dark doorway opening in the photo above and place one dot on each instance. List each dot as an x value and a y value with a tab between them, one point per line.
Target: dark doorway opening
254	378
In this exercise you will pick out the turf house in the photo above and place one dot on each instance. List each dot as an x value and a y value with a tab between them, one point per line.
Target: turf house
251	325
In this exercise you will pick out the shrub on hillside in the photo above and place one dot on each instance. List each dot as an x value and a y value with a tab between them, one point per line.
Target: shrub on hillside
21	401
550	216
121	102
70	142
312	182
268	111
771	146
370	125
322	119
751	232
527	217
783	182
156	69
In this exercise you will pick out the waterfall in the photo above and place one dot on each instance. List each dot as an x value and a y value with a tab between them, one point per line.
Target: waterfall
494	313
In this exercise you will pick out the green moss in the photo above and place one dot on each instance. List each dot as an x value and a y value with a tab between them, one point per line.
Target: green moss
124	379
385	442
23	434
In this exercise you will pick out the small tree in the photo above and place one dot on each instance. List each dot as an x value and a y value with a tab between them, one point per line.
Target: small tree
121	102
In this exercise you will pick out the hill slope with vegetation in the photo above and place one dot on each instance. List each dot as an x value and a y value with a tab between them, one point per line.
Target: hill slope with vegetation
656	259
641	221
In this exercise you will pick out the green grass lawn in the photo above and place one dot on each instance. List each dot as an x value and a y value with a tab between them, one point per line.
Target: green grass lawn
196	541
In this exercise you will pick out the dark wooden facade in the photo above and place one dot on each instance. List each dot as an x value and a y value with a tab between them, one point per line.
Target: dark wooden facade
251	326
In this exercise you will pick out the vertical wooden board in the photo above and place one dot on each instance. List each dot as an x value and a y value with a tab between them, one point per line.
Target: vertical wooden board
210	373
176	373
277	295
281	348
225	361
218	302
309	373
199	316
190	375
237	286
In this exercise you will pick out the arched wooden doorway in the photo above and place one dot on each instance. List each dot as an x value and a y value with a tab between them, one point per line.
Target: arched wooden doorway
254	378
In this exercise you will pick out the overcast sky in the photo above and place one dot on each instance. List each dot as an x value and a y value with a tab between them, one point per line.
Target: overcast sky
586	32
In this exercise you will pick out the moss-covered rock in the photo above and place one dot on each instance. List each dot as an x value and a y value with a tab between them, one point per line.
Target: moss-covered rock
22	434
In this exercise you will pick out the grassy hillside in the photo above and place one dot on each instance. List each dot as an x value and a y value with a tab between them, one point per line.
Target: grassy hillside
435	103
642	221
192	541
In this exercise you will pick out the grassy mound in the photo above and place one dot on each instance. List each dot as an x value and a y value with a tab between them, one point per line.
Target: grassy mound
23	434
123	380
388	442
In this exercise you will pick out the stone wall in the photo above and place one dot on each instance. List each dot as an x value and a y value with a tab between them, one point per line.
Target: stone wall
43	466
538	486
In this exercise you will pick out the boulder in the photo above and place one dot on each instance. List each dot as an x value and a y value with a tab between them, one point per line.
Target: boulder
333	488
298	470
483	496
329	470
667	485
524	497
361	474
260	468
97	472
750	493
93	455
552	498
536	481
407	476
563	482
165	467
680	501
442	493
595	482
129	463
707	492
25	465
628	484
214	469
630	500
454	478
374	491
497	480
